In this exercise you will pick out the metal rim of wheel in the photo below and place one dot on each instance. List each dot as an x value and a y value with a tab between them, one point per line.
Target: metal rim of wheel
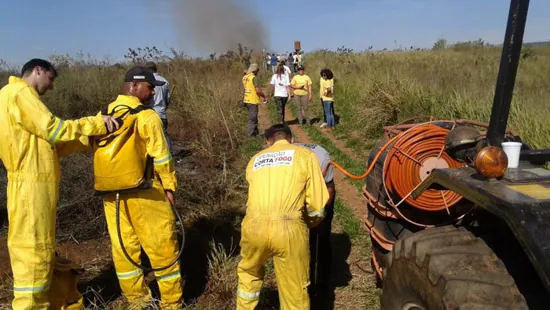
412	306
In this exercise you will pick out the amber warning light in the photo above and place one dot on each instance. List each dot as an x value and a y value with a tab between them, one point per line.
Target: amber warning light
491	162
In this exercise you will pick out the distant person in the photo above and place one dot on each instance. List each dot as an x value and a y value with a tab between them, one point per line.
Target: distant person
287	70
252	94
295	62
160	101
326	90
273	63
301	83
280	90
267	61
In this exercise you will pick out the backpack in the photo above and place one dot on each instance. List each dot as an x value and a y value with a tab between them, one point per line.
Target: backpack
119	160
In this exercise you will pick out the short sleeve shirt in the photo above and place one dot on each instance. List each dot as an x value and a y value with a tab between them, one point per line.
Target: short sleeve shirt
280	84
324	159
301	80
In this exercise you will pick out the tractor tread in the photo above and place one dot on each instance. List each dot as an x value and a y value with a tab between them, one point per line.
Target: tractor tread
448	268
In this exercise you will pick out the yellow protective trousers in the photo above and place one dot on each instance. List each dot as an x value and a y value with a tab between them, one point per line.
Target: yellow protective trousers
31	238
146	221
285	237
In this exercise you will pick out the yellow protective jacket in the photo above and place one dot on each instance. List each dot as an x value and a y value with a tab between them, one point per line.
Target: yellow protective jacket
153	143
250	94
30	130
276	178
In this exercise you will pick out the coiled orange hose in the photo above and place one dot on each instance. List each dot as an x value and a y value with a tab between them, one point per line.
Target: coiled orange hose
404	161
401	171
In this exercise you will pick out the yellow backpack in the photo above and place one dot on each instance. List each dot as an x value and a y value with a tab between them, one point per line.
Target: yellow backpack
120	162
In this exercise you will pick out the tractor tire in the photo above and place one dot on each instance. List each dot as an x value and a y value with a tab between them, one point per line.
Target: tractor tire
447	268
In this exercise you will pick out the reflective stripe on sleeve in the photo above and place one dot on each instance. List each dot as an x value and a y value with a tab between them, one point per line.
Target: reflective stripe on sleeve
162	160
314	213
54	134
170	276
248	296
130	274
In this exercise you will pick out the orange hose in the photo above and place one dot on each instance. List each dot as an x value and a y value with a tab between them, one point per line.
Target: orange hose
402	165
360	177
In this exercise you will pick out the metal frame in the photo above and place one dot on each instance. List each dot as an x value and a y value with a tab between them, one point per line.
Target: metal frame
511	51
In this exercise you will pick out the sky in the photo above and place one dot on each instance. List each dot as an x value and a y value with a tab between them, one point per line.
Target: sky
105	29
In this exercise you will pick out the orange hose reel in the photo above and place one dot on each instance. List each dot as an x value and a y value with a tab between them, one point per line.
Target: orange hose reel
412	155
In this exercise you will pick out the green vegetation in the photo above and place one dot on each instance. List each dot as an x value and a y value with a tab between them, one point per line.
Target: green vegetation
375	89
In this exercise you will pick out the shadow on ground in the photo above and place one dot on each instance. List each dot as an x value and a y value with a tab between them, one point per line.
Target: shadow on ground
340	274
220	229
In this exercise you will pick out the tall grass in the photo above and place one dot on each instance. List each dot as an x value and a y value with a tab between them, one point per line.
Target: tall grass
374	89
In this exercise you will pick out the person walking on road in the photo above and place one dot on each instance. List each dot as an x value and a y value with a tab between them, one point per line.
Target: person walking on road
32	142
280	90
286	195
267	61
252	94
301	83
319	236
161	100
326	89
287	70
274	62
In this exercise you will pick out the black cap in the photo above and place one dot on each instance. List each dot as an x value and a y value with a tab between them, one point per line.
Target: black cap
142	74
300	68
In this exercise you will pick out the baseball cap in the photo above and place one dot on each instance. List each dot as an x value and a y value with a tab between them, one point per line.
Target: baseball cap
142	74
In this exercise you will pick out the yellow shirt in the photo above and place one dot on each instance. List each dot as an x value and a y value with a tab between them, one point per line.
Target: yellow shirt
301	80
250	84
283	179
326	89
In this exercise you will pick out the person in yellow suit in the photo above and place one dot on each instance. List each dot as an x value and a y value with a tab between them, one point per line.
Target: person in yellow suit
286	194
30	135
146	217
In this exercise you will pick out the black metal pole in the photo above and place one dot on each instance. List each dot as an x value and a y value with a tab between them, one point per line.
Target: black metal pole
511	50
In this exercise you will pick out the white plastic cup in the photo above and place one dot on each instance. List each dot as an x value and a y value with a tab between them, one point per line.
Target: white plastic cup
512	150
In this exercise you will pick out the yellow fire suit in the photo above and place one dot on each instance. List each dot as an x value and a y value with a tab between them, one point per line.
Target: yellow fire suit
29	135
283	179
146	218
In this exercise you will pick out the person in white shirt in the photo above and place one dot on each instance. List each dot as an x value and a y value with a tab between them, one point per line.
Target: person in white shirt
267	62
280	90
288	72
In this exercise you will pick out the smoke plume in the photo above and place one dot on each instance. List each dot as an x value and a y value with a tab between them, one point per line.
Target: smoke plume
216	26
